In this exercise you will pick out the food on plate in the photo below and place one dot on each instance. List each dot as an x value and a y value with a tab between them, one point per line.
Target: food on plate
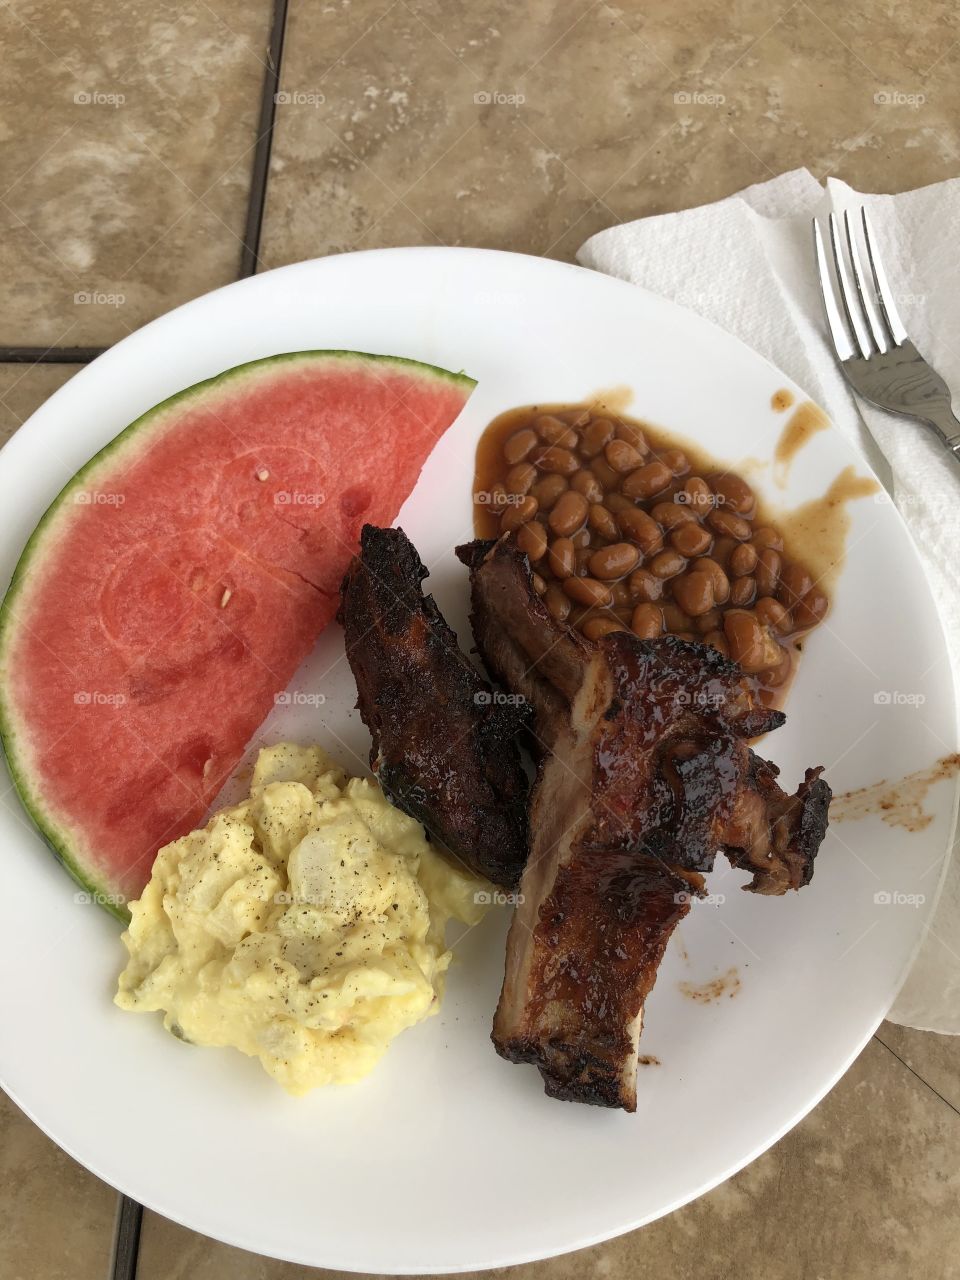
444	745
304	926
645	773
626	532
179	579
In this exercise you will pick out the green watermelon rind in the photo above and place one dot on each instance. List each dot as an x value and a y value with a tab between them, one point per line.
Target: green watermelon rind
55	836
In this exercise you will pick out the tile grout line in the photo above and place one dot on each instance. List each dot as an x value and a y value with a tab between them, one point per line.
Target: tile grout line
936	1093
49	355
125	1253
250	254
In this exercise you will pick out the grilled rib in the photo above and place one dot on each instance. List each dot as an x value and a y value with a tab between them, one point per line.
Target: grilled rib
445	747
645	775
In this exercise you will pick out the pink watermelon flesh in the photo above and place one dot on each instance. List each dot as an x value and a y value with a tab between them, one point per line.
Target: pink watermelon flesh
174	587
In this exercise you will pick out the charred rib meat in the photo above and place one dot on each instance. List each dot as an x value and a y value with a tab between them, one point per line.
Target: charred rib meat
645	774
444	748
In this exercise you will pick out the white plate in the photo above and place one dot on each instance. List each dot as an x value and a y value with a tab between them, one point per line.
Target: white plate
448	1158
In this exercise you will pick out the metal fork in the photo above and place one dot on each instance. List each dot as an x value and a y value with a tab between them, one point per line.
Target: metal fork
880	363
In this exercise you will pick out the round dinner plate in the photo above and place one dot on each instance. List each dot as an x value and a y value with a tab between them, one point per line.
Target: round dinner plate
447	1158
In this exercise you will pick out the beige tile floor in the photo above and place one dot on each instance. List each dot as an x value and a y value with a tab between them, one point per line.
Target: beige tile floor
127	137
126	134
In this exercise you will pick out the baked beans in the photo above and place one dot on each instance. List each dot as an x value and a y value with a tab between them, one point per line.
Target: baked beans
647	621
532	540
566	516
628	532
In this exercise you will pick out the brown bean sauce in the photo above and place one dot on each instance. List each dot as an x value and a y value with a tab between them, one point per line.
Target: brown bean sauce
781	400
727	985
685	546
899	803
802	425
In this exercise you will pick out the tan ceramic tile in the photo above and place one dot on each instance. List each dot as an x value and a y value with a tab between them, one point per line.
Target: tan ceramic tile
935	1059
417	133
394	143
126	148
803	95
57	1218
529	127
891	39
23	388
866	1186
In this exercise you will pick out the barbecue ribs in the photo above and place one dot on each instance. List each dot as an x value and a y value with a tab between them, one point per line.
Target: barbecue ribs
644	775
444	745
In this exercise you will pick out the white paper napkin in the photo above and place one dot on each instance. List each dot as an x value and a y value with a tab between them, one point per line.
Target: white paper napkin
747	264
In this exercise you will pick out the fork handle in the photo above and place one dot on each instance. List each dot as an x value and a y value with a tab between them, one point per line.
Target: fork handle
946	424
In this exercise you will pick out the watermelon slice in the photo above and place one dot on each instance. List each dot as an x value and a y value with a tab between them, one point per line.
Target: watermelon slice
174	586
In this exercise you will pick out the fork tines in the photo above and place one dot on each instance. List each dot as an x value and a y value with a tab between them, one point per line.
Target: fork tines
867	302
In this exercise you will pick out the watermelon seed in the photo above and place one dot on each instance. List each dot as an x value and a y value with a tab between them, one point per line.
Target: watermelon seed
263	474
225	598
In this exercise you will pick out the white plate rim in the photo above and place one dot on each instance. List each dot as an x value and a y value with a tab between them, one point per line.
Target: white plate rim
719	336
